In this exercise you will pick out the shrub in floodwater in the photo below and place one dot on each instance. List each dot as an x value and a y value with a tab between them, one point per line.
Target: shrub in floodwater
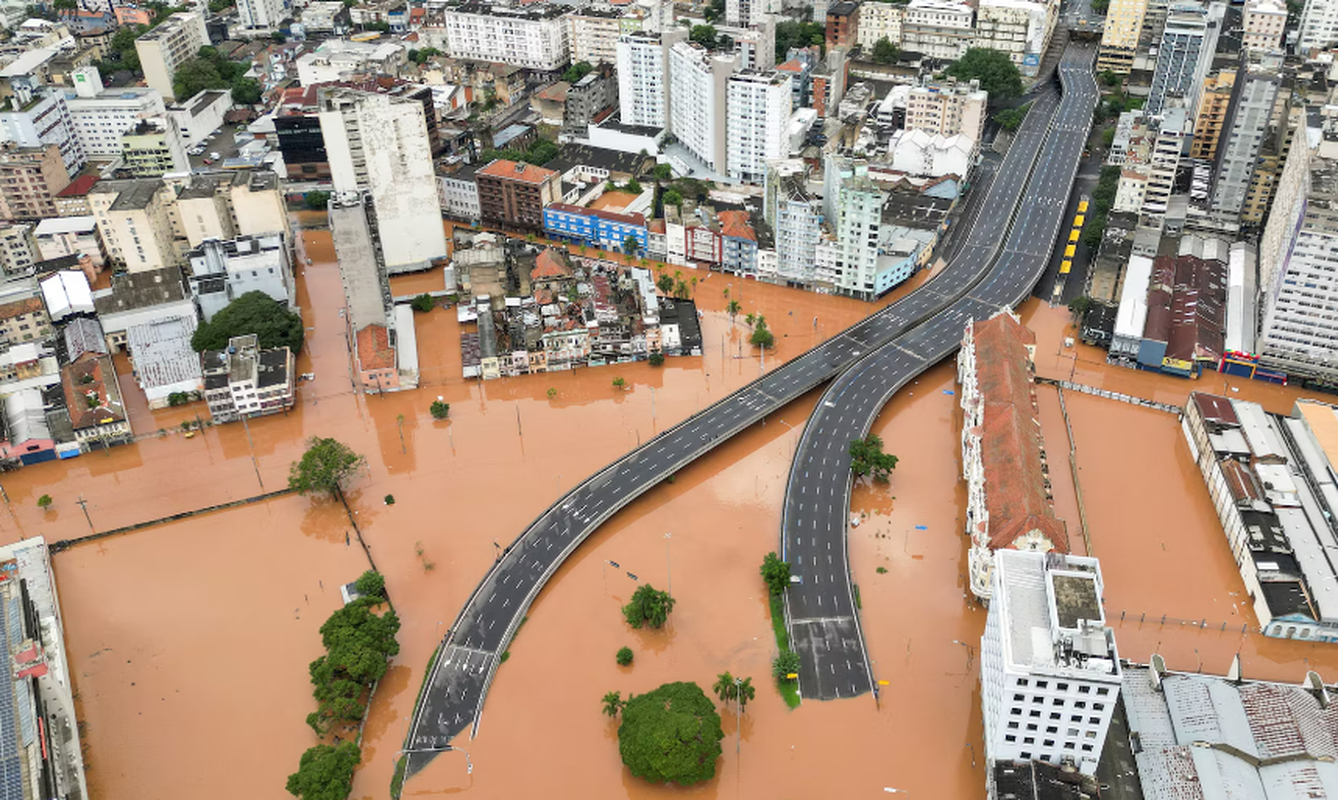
671	735
324	467
390	499
624	656
439	410
44	502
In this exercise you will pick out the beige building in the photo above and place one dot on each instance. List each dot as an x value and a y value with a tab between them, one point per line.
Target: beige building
152	148
947	108
1213	105
1262	24
938	28
593	34
134	219
1020	28
1119	37
18	248
879	20
30	178
164	48
23	320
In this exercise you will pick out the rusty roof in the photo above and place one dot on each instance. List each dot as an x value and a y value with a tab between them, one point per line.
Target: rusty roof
550	264
515	171
735	225
374	350
90	392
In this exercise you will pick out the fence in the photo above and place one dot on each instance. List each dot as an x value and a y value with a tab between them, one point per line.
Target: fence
65	544
1073	470
1109	395
1166	619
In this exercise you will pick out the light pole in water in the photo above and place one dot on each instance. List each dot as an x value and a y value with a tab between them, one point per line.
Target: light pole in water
669	562
738	713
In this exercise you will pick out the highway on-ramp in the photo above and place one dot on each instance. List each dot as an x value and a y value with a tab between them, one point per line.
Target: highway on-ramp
821	613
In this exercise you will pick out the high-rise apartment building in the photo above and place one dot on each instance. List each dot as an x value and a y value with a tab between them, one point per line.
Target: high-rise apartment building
759	113
513	195
30	178
1187	45
938	28
843	24
262	15
1262	24
697	84
643	77
1319	26
1049	669
1164	161
1214	103
1119	35
1020	28
796	217
948	108
153	148
742	13
854	205
534	37
879	20
1298	259
43	118
1246	124
379	145
101	117
593	34
162	49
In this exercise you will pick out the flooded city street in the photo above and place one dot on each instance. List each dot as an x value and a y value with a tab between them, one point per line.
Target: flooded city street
189	639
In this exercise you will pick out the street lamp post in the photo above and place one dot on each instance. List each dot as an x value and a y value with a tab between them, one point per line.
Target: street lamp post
738	714
669	562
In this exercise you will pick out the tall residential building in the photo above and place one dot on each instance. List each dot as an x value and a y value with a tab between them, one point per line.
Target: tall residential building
513	195
1298	258
1289	123
245	381
1119	36
796	217
1020	28
938	28
759	112
697	84
1187	46
843	24
742	13
1319	26
1246	124
164	48
1214	103
39	118
152	149
1164	161
593	34
643	77
533	38
948	108
856	213
30	178
1262	24
378	144
878	20
1049	669
222	271
100	116
18	248
262	15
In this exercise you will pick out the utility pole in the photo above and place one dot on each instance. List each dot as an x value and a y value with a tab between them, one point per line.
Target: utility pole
252	445
669	562
399	420
84	505
519	432
738	714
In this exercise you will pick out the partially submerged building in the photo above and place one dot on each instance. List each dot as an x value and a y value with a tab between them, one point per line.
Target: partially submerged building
246	381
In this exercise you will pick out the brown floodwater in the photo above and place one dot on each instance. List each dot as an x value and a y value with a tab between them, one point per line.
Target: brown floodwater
212	613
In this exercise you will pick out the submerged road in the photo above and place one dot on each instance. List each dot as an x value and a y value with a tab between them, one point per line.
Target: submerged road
452	698
821	612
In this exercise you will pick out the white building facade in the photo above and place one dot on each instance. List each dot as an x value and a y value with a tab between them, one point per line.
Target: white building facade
1020	28
697	84
643	78
163	49
533	39
46	120
938	28
1319	26
101	117
759	112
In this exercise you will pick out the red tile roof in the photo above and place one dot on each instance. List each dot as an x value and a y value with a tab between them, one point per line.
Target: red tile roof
513	171
1011	447
549	264
734	224
97	368
374	350
78	187
793	65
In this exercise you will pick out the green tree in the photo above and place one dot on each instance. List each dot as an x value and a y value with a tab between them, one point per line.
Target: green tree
724	687
673	198
325	772
682	291
1011	118
649	606
194	76
613	703
423	55
750	319
336	711
714	10
656	359
577	71
996	72
671	735
665	283
253	312
423	303
44	502
787	663
632	186
123	43
371	584
324	467
744	692
316	200
624	656
359	642
884	52
867	458
762	335
1079	306
630	246
703	35
775	573
245	91
733	307
662	172
1110	78
439	409
619	382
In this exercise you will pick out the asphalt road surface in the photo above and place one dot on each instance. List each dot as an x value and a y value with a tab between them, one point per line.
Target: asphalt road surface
468	657
823	623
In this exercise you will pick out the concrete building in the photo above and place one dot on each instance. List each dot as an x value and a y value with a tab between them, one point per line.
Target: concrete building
1262	24
948	108
513	195
843	24
599	228
152	148
938	28
262	16
366	287
42	118
136	298
1188	42
1247	122
459	193
222	271
72	201
165	365
854	204
67	293
1049	669
593	34
532	38
1214	105
101	116
24	318
795	216
162	49
246	381
1297	258
1120	34
196	119
18	248
1172	132
1020	28
30	178
643	77
1009	502
755	128
878	20
340	59
326	17
93	400
590	98
698	82
1318	29
69	236
742	13
378	144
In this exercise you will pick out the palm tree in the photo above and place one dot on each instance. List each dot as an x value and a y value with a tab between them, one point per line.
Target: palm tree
726	292
613	703
724	687
751	319
744	692
733	308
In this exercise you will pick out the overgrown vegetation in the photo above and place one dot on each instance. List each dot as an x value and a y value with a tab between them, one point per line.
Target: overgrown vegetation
253	312
577	71
1010	119
649	607
423	303
325	772
316	200
884	52
324	467
210	69
791	34
788	688
1103	199
539	153
439	409
867	458
624	657
775	573
670	735
996	72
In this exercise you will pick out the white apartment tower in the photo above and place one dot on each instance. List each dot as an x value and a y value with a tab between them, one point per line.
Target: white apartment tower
1049	671
880	21
1187	44
164	48
855	205
759	112
742	13
262	15
1298	262
102	117
697	111
593	34
378	146
533	38
41	117
1319	26
1020	28
1263	23
1119	36
643	77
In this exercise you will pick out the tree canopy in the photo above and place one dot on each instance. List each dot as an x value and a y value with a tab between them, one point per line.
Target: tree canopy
791	34
539	153
671	735
649	606
325	772
371	584
1011	118
996	72
254	312
867	458
775	573
884	52
358	642
325	465
762	335
577	71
